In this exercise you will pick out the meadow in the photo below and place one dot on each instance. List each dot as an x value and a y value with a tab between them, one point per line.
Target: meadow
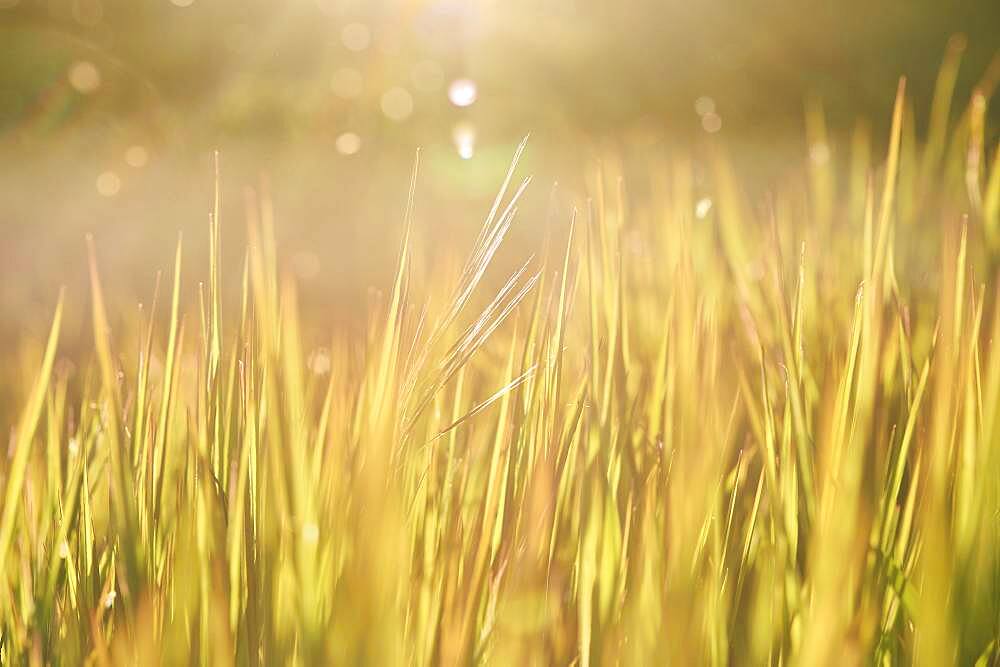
694	427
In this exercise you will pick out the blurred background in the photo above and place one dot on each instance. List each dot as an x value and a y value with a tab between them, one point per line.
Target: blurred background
110	111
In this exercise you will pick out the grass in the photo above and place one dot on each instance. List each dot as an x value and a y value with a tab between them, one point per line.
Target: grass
692	429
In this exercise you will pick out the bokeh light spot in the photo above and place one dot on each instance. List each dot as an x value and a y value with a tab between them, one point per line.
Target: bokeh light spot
704	105
108	184
819	153
84	77
329	7
356	36
310	532
702	208
397	104
182	3
348	143
136	156
464	136
462	92
319	361
711	122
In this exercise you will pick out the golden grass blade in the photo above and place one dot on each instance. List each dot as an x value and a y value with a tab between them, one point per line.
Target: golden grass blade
22	444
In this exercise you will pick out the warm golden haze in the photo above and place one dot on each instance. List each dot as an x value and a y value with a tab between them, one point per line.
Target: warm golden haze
309	356
689	428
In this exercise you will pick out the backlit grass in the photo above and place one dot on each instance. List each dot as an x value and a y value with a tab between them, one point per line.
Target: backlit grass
692	428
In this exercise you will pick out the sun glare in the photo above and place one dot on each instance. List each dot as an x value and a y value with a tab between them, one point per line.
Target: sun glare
462	92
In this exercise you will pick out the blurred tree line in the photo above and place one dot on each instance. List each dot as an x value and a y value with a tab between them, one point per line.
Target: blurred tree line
261	68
